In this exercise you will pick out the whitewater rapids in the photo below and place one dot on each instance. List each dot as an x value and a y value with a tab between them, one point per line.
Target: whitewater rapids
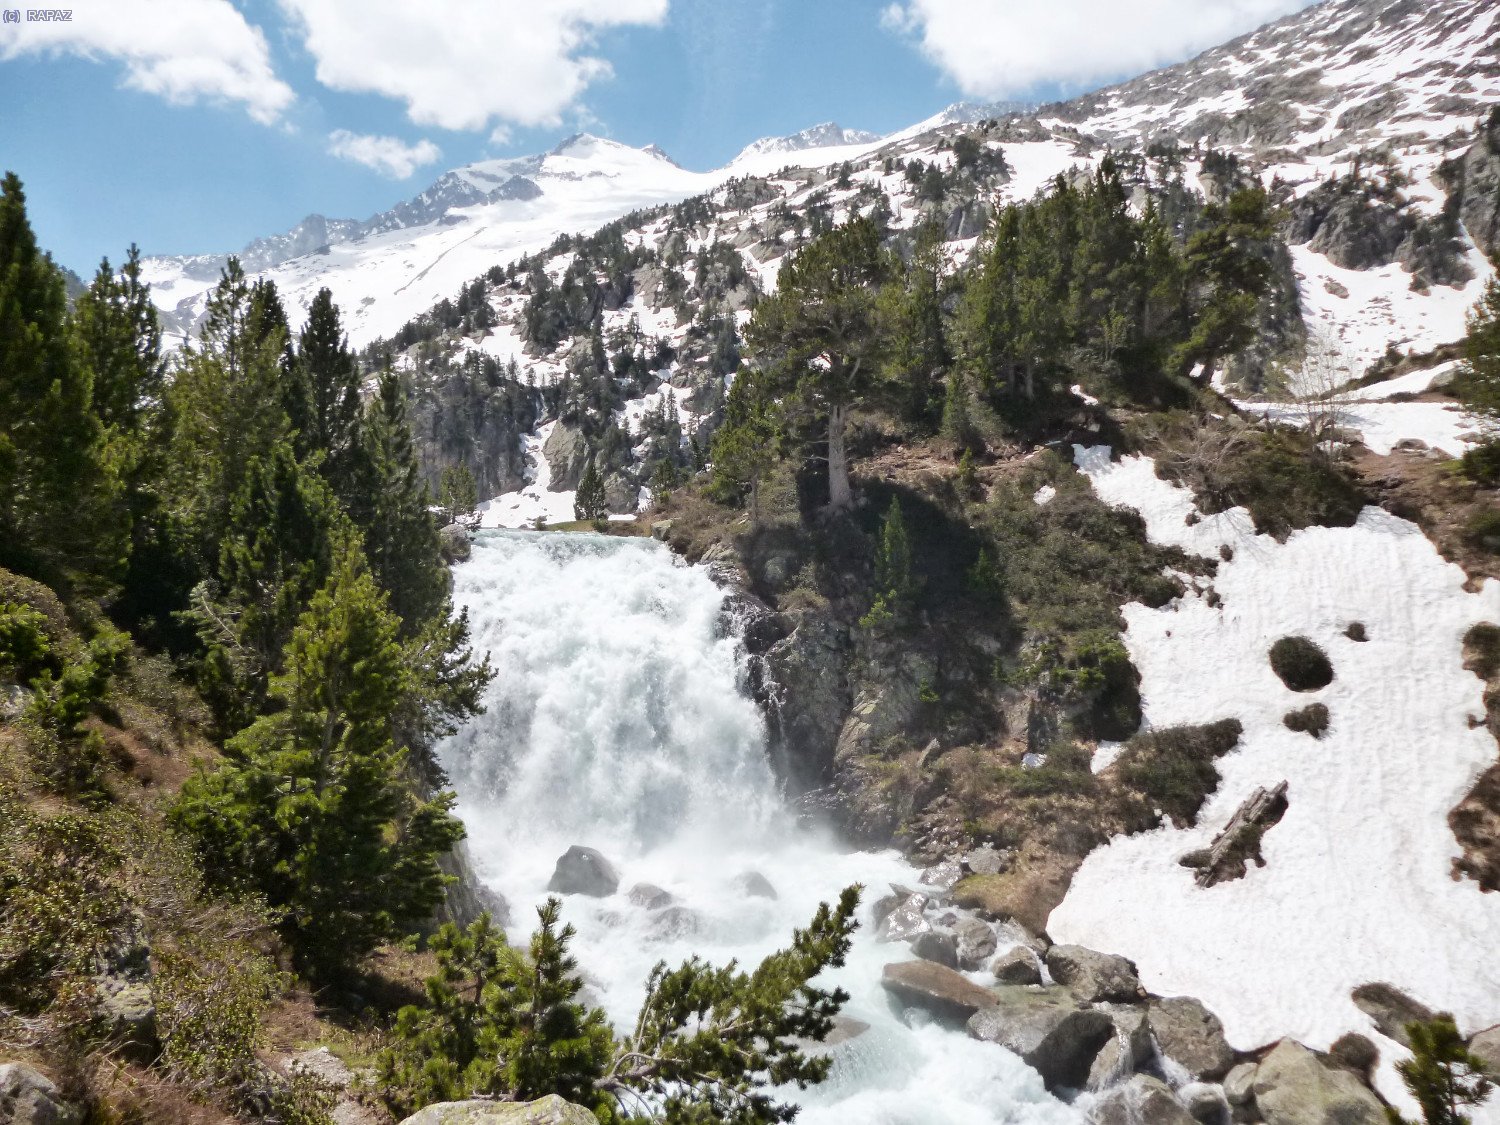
618	720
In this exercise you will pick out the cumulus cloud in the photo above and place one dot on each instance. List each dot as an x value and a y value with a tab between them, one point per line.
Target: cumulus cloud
466	64
992	48
181	50
390	156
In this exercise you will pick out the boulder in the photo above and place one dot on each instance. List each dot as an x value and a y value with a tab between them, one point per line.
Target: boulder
1239	1085
123	1000
551	1110
1293	1087
1050	1029
976	943
1204	1102
1191	1036
648	896
937	947
1129	1050
567	454
454	543
907	921
1024	896
1093	976
942	876
1140	1101
986	861
844	1030
1391	1009
28	1097
1486	1044
942	993
674	922
584	871
754	885
1019	966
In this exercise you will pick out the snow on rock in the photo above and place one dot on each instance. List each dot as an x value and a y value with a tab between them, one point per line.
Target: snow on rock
1356	886
1367	311
1381	425
536	500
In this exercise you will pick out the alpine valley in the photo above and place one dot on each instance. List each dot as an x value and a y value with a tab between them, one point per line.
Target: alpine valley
1075	526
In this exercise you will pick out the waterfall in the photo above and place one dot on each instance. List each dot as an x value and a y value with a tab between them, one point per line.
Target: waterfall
618	720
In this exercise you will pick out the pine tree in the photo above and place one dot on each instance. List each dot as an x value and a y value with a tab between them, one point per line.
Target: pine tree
589	502
390	507
118	328
498	1022
817	337
458	495
894	580
708	1045
227	413
314	807
1478	383
57	493
276	554
1230	274
912	318
326	394
744	446
958	427
1442	1074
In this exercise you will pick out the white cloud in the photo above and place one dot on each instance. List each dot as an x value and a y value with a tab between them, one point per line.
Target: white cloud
389	156
992	48
466	64
182	50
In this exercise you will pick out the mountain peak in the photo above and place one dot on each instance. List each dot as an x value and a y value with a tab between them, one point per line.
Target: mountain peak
829	134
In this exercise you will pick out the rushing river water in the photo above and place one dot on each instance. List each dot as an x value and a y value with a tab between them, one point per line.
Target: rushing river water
618	720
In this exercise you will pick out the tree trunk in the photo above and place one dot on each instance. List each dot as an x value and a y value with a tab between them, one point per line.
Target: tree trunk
839	495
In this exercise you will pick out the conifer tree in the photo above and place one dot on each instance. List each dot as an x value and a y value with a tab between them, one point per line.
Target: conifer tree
458	494
817	337
314	807
1478	382
120	333
958	422
1442	1074
327	394
57	494
744	446
912	319
276	555
227	412
1230	274
894	580
589	502
390	507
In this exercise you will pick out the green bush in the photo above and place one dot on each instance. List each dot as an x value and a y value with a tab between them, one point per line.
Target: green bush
1312	719
1174	769
1301	664
1482	529
1482	650
1481	464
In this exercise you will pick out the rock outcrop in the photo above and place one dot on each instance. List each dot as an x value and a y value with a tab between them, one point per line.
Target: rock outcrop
584	871
1191	1036
1293	1086
28	1097
942	993
1091	976
1057	1034
1141	1101
551	1110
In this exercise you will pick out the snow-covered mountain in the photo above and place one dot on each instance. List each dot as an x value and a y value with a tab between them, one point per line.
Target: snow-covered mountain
827	135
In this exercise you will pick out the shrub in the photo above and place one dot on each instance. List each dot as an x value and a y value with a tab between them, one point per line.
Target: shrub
1174	769
1312	719
1482	650
1301	664
1481	464
1482	529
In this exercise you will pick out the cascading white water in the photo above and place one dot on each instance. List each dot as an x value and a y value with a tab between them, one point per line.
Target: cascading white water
618	720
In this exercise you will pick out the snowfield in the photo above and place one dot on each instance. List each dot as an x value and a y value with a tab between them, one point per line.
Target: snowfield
1356	885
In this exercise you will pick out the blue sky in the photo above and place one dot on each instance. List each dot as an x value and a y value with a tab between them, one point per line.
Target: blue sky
196	125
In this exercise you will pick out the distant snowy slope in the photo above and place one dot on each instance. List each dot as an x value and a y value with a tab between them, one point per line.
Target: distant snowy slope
827	135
